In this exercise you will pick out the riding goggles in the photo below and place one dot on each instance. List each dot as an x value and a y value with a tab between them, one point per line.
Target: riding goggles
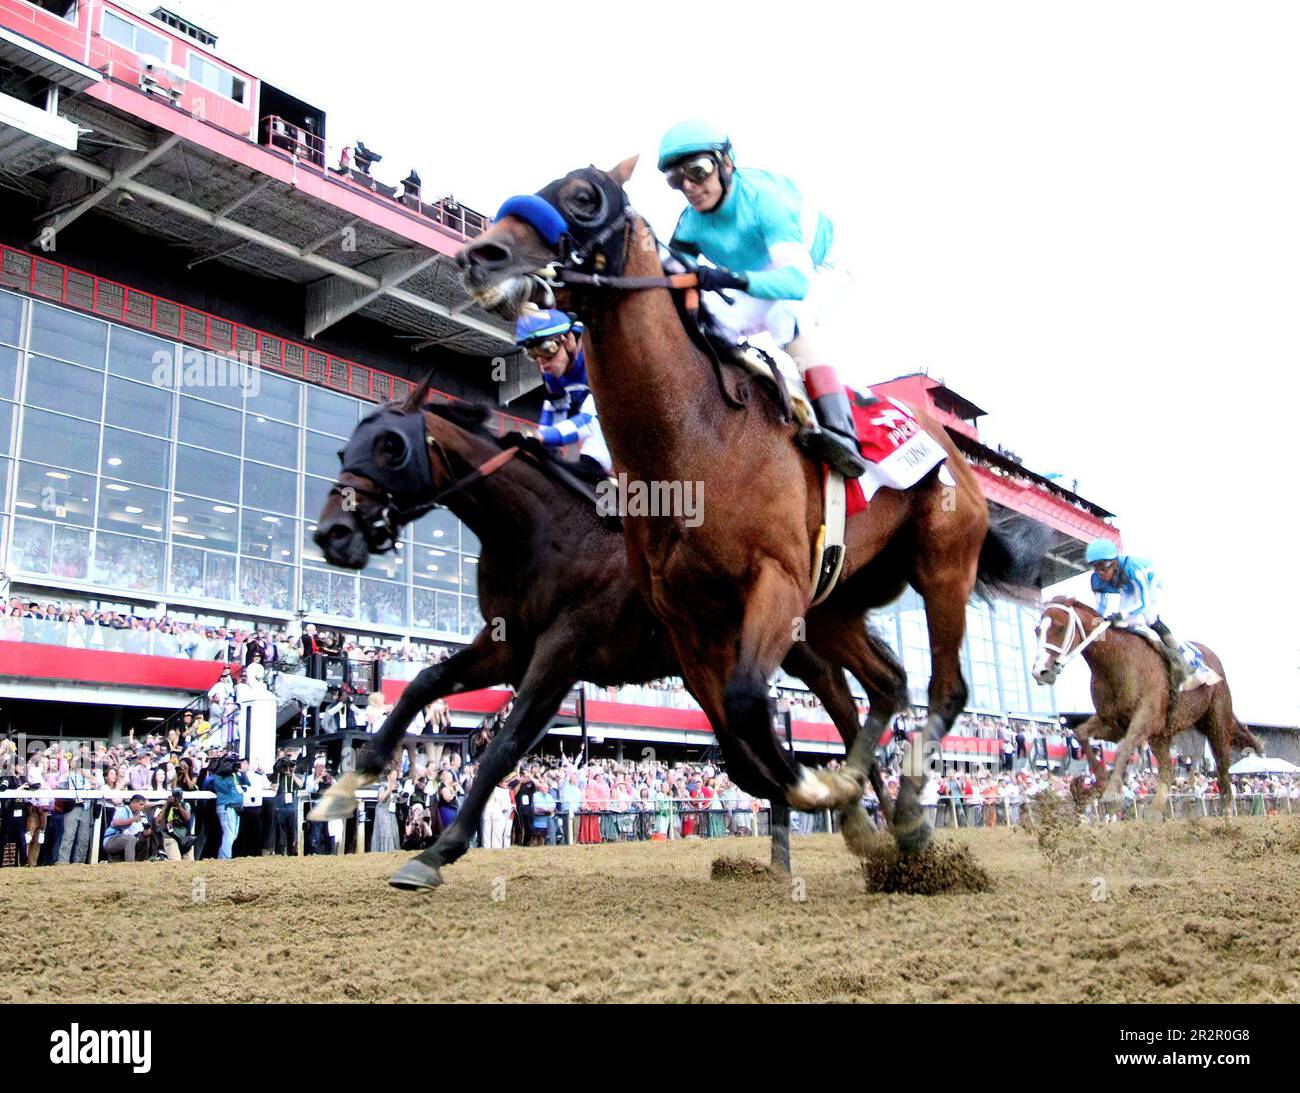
543	350
696	169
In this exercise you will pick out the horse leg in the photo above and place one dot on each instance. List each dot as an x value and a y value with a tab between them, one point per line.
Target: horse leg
1160	746
827	682
1220	731
705	682
945	615
1139	730
480	664
545	684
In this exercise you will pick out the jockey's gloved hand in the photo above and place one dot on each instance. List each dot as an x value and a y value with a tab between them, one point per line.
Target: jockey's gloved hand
1116	617
716	280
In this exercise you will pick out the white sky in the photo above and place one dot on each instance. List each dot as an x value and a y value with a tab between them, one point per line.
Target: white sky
1084	217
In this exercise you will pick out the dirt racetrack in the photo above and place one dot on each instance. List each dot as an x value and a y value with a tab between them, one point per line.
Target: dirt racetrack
1175	912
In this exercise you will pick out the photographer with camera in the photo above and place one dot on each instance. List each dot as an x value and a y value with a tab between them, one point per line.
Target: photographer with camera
225	783
173	821
288	784
129	822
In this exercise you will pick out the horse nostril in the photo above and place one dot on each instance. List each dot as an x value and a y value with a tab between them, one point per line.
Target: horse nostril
483	256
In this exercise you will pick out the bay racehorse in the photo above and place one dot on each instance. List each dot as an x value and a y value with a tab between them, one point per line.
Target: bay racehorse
734	590
1135	697
558	597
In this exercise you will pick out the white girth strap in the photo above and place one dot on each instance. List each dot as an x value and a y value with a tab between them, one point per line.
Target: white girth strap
828	551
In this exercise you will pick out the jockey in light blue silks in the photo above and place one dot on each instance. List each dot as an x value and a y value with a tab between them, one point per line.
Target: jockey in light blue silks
771	249
1134	583
552	339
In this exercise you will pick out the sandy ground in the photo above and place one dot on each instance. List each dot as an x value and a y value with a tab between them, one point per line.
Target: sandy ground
1175	912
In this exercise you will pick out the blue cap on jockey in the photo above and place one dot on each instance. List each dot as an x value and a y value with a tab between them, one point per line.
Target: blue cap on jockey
535	325
1100	550
690	138
537	212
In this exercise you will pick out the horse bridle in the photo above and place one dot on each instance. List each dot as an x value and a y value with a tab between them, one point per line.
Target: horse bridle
383	531
1064	654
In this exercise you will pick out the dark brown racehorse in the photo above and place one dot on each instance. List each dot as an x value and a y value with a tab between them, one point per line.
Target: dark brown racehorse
560	605
1135	698
734	591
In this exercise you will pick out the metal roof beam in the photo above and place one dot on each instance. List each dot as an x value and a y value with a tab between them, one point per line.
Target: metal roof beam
115	181
246	196
331	300
243	231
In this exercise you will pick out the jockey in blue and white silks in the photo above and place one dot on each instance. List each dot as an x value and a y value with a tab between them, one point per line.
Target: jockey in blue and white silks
771	249
552	339
1134	584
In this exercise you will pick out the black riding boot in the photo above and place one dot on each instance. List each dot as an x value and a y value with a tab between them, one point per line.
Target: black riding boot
1182	669
836	442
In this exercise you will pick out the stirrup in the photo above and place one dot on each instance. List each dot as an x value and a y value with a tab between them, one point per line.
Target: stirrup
840	455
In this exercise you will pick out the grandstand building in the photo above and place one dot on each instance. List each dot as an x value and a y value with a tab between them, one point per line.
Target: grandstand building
200	295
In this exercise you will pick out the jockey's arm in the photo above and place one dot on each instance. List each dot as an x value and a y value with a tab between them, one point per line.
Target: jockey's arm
790	275
569	430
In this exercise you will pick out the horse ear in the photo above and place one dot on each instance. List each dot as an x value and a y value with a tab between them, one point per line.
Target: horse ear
623	171
416	398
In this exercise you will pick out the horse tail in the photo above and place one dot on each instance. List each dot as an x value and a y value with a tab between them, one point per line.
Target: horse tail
1011	559
1245	740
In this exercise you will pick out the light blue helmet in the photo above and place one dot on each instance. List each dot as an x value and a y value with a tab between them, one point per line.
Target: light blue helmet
1100	550
690	138
535	325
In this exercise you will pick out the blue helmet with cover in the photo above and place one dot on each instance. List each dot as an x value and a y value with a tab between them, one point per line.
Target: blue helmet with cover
691	138
1100	550
536	324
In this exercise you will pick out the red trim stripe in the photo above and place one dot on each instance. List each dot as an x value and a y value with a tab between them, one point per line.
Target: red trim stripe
822	379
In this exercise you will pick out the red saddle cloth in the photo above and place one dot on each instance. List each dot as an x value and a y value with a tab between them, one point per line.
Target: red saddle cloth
883	427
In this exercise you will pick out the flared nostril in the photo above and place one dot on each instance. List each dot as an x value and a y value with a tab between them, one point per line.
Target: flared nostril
483	256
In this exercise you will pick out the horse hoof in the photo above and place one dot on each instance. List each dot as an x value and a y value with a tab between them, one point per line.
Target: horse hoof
857	832
340	800
416	874
912	833
818	789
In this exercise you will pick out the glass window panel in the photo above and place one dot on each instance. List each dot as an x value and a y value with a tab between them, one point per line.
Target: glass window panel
197	521
331	413
322	454
273	396
447	614
210	376
54	494
66	387
311	553
438	528
68	336
33	541
471	620
131	509
343	595
387	567
208	426
62	441
11	317
468	574
7	414
266	584
118	30
267	536
219	576
8	372
122	561
207	473
138	406
315	591
469	543
436	568
142	357
135	458
270	442
4	494
270	489
186	575
314	493
423	607
383	603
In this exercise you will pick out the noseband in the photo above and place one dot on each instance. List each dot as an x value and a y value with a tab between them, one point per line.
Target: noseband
1064	654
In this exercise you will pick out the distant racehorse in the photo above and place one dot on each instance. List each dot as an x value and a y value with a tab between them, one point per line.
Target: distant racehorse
1135	698
554	585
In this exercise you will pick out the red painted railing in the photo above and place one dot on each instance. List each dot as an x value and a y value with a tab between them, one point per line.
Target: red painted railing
42	277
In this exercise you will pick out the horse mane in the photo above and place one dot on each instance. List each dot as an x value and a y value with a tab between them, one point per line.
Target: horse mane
470	416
